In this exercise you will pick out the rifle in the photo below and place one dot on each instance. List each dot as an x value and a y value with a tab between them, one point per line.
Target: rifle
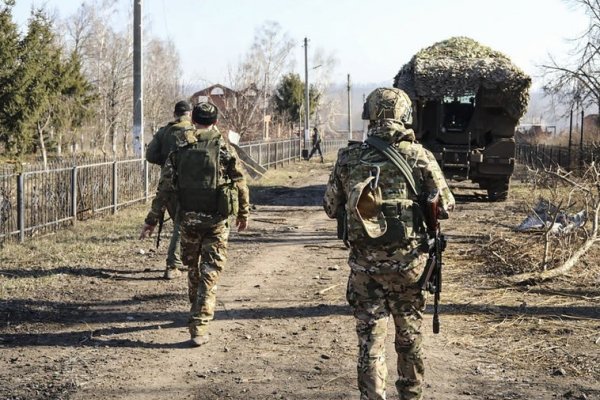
342	225
431	280
161	221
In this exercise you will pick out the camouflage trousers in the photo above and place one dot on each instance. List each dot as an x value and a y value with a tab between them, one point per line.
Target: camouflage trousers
174	250
204	252
169	199
374	297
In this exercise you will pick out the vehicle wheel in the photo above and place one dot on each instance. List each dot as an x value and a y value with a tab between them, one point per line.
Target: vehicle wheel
498	189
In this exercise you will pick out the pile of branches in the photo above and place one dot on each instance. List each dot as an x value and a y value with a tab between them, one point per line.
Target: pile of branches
511	256
460	66
548	252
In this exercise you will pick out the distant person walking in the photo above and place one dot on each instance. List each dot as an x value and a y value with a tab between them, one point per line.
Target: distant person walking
316	144
163	143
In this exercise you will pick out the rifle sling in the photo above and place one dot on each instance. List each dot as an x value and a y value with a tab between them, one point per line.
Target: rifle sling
396	158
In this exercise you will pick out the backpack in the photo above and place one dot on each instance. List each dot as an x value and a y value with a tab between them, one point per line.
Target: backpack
165	141
381	210
199	184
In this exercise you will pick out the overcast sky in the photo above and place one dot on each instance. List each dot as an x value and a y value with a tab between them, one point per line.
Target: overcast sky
371	39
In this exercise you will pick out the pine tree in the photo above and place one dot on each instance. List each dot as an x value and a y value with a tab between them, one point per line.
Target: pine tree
49	94
289	98
76	97
35	84
9	48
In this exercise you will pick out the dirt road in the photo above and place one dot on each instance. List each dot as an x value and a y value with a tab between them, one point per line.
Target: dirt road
85	314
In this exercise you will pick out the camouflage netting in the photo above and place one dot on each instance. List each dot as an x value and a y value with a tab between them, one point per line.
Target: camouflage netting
460	66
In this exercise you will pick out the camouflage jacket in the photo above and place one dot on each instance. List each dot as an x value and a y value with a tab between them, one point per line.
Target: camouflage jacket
164	140
229	166
428	176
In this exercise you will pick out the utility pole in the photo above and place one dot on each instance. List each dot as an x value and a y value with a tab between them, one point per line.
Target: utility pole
349	110
138	95
306	101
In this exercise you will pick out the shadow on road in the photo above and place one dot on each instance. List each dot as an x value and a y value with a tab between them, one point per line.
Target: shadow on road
287	196
92	272
111	314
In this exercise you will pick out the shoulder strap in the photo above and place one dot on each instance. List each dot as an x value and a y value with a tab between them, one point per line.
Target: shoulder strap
396	158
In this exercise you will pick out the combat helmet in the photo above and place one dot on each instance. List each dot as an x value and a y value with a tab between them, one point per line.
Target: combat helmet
388	103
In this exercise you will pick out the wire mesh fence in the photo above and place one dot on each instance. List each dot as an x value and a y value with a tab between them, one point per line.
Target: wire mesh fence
271	154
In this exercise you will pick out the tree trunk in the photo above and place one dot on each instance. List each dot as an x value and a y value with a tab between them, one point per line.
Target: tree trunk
40	130
59	145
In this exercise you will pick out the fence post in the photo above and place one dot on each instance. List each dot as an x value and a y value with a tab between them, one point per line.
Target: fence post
276	155
74	194
260	154
21	206
115	187
146	180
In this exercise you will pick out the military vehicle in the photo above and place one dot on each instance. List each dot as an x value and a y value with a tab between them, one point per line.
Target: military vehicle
467	101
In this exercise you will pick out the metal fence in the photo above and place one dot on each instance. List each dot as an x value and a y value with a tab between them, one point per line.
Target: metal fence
544	156
277	152
34	200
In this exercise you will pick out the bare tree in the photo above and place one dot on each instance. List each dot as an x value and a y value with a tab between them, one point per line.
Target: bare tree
162	82
322	66
255	77
106	56
576	79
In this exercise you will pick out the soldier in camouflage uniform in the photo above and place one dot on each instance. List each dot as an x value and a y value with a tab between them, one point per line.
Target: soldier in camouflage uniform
163	143
384	228
206	174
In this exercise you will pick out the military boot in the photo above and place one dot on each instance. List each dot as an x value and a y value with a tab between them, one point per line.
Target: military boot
199	335
171	272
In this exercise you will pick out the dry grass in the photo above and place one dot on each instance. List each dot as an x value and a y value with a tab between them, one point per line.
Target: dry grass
294	173
553	328
90	244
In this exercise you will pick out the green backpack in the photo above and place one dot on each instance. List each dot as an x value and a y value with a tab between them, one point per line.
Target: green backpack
199	185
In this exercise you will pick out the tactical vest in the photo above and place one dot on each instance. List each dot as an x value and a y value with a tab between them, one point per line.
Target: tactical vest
200	186
399	205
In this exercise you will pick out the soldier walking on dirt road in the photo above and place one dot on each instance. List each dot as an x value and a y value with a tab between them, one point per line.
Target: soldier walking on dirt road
374	191
163	143
206	174
316	144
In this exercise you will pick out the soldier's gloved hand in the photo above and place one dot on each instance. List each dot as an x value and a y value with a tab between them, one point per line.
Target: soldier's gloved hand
241	223
147	230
